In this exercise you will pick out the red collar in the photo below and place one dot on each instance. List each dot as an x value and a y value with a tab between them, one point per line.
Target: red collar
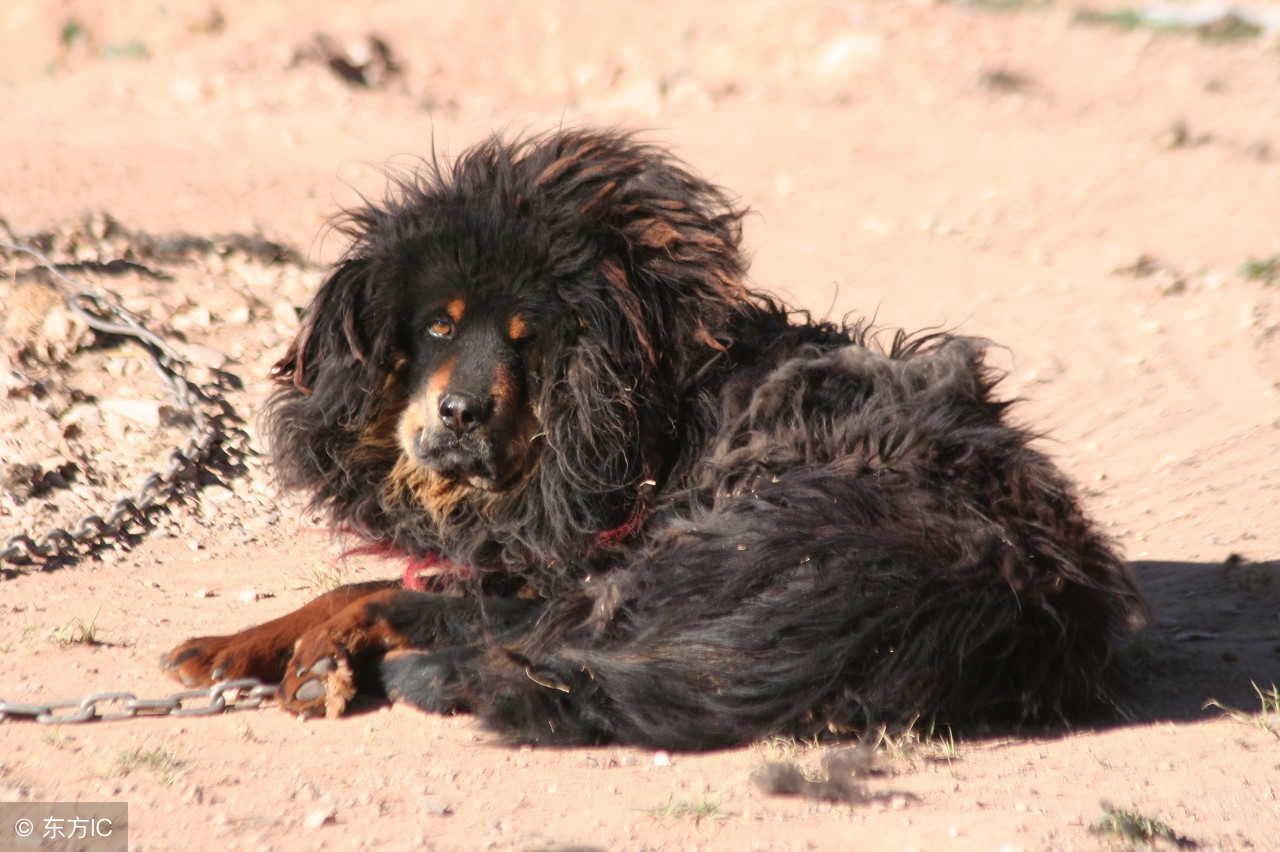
425	573
422	572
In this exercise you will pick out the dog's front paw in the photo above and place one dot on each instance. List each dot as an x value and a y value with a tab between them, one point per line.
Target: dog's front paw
209	659
318	680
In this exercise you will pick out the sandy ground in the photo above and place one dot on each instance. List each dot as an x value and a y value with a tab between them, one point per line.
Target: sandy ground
1087	196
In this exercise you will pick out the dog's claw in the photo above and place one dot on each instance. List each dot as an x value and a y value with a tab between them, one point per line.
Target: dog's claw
172	661
207	660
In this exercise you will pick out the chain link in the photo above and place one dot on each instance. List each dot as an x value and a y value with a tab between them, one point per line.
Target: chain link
241	694
214	430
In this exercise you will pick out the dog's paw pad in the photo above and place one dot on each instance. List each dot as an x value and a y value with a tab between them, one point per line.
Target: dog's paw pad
320	681
319	669
309	692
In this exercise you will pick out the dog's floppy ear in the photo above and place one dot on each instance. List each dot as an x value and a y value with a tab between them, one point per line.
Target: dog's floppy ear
671	275
333	331
658	290
324	384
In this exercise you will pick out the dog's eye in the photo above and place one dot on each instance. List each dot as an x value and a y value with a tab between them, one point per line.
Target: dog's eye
441	328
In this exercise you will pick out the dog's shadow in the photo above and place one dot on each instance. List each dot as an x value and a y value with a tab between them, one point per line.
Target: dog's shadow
1214	636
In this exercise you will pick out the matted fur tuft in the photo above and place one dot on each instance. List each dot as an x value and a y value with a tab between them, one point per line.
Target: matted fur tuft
736	522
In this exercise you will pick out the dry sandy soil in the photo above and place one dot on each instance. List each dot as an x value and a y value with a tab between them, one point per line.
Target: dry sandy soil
1087	196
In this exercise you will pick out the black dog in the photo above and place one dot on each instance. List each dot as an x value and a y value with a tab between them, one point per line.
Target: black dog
645	503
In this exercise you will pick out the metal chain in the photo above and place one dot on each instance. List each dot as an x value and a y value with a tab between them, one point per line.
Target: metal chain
214	429
209	433
241	694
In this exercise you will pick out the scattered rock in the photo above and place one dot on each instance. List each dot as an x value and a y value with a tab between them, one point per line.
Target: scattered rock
433	806
206	356
367	62
144	412
285	317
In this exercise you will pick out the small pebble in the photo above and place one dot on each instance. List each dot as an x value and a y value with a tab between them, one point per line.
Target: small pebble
435	807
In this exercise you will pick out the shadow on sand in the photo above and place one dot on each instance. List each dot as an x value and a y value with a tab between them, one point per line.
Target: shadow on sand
1215	633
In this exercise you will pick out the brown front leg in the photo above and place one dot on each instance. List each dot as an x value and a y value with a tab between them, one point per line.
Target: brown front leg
320	677
261	651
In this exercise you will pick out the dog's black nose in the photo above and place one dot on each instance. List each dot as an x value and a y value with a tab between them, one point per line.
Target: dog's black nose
462	412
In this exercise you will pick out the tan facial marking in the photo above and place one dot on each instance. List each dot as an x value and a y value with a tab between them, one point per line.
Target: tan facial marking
504	386
454	308
418	412
517	329
410	480
506	391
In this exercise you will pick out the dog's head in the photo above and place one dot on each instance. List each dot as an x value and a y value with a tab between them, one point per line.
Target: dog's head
527	319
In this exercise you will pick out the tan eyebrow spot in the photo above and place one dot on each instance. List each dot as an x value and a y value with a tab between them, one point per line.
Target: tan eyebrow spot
454	308
517	329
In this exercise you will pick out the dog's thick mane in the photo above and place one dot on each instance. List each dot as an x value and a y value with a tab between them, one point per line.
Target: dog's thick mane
645	253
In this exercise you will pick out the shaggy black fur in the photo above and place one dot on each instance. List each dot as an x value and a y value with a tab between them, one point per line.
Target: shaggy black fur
725	521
